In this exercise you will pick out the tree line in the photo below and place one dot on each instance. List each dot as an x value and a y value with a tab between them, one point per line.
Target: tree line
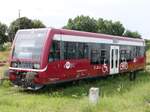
7	34
80	23
86	23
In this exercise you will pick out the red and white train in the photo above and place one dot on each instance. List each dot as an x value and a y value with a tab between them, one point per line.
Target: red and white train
47	56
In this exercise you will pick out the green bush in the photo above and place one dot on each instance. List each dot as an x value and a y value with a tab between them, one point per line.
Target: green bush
5	46
2	48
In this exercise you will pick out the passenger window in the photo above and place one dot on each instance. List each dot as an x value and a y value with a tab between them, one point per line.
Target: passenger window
95	56
142	51
122	55
134	52
82	50
99	54
54	51
95	53
70	50
86	50
125	55
137	51
103	57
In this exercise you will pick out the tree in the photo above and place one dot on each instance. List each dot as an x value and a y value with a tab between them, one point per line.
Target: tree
37	24
108	27
85	23
82	23
118	28
147	42
129	33
23	23
20	23
3	33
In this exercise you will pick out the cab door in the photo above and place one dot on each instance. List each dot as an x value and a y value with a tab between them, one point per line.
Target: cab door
54	60
114	59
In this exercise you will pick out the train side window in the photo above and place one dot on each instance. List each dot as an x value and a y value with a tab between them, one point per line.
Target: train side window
100	54
103	58
122	55
137	51
105	52
95	56
134	52
54	51
82	50
128	55
70	50
125	54
86	50
142	51
95	53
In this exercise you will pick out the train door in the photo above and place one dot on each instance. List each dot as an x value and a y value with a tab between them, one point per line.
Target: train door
54	60
114	59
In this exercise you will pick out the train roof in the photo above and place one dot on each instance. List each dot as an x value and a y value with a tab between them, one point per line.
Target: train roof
87	34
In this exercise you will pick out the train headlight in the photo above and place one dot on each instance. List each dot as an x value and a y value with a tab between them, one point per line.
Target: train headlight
36	66
14	64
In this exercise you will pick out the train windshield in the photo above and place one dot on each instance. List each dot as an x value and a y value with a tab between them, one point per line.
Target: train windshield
29	44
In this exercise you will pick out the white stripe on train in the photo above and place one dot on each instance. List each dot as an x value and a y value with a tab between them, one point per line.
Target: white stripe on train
71	38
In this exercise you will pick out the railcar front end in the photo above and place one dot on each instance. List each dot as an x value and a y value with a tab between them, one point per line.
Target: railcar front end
26	58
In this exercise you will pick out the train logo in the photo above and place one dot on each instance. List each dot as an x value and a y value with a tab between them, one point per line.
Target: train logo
68	65
123	65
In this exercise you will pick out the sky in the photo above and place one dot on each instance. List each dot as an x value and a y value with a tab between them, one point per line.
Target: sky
133	14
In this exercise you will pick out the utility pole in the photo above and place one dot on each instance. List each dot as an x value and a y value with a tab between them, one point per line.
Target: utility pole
19	18
19	13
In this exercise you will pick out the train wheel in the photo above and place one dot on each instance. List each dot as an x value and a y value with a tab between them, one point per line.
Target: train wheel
132	76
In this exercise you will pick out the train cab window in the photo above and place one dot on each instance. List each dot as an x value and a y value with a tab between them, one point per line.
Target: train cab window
70	50
54	51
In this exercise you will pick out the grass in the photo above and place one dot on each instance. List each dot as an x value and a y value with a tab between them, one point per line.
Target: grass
117	94
148	57
2	69
4	55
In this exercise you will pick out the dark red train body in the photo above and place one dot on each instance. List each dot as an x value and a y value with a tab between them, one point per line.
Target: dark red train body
44	56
